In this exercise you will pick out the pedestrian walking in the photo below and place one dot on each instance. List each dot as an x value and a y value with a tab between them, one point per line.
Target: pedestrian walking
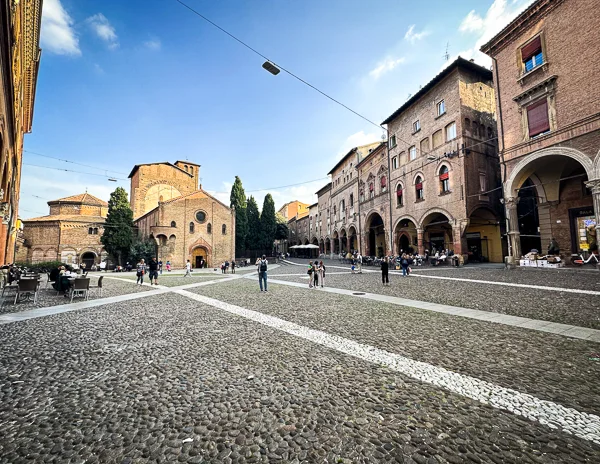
311	276
404	263
226	267
153	272
385	267
141	270
233	266
359	263
188	269
160	266
168	266
262	265
317	269
322	273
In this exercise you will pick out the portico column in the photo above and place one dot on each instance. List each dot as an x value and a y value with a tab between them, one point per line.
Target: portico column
514	236
420	246
594	186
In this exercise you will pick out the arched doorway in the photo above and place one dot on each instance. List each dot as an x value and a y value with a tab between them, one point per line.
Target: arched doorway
344	241
327	246
89	259
336	243
437	232
375	236
352	239
314	253
200	257
405	236
547	198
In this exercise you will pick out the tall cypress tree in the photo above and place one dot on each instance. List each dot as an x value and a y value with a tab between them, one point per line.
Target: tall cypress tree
118	228
253	242
238	200
268	223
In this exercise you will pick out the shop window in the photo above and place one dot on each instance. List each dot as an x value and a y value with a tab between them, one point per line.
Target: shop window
399	196
537	118
412	153
444	180
419	188
383	182
450	131
532	54
438	139
191	227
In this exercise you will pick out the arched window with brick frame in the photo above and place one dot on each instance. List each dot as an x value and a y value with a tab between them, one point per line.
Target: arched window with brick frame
419	188
399	195
444	180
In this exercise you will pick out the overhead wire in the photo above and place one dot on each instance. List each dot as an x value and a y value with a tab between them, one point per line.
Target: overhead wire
73	162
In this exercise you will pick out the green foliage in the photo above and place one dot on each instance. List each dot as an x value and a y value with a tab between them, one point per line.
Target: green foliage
118	228
268	223
44	266
282	231
238	201
253	241
142	248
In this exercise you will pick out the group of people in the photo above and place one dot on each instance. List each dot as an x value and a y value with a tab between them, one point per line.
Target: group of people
225	267
152	268
316	274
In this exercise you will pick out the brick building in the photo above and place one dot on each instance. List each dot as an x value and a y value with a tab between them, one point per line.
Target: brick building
186	222
70	233
293	209
19	62
550	124
444	169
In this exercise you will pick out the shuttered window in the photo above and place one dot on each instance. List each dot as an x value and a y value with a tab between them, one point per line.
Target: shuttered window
532	54
537	118
419	188
399	195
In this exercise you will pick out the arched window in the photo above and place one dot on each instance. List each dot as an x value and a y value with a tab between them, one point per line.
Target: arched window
351	200
209	228
467	126
399	195
490	134
186	168
191	227
90	231
444	179
371	190
173	224
419	188
383	182
95	231
362	195
223	229
334	213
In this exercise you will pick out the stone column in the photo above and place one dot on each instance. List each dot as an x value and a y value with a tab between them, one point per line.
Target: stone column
514	236
420	247
594	186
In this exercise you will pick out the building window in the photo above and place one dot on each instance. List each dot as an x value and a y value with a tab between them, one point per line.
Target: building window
200	216
395	162
482	182
371	190
444	179
351	200
416	126
537	118
450	131
419	188
93	231
209	228
438	139
441	108
383	184
392	141
173	224
399	197
532	54
424	146
362	195
191	227
412	153
223	229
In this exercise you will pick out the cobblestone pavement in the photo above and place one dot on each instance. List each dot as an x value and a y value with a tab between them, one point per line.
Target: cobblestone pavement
567	308
48	297
178	381
175	280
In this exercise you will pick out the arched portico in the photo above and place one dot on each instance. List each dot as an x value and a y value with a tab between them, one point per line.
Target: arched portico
352	239
406	236
438	232
375	235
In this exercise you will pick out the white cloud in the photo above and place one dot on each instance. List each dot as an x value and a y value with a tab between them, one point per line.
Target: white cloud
58	35
413	36
153	44
98	69
499	14
103	29
385	66
356	140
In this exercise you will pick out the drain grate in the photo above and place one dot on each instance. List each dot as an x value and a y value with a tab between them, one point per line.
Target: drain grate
358	293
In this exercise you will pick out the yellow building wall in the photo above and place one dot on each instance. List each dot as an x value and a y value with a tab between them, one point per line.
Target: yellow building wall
494	241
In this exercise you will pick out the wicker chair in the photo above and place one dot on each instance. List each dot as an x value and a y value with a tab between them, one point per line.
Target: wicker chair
27	287
80	287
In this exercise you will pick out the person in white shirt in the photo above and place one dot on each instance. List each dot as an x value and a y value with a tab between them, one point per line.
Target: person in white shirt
359	263
188	269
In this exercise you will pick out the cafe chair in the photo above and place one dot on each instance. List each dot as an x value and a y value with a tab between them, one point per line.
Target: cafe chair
98	289
27	287
80	287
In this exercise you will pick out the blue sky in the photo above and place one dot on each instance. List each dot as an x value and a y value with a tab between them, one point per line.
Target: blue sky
139	81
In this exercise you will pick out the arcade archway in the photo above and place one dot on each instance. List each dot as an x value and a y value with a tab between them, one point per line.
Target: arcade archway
375	236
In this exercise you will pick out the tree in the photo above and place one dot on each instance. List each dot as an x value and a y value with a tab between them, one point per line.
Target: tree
268	223
238	201
282	228
253	241
118	228
142	248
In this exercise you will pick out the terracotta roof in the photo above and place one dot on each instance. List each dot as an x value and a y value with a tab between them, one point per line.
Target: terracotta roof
67	217
83	198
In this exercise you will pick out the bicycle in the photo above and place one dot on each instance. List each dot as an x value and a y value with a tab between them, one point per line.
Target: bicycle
579	260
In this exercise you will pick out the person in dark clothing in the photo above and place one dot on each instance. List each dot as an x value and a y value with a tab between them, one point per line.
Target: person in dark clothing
405	261
153	272
233	266
385	266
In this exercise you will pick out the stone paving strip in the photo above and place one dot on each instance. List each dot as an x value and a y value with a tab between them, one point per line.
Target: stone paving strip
582	333
564	308
179	381
548	366
580	424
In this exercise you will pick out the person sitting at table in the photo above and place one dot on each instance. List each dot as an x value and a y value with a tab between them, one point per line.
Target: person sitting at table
54	273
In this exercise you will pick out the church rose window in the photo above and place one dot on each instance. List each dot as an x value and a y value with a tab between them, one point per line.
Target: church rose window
201	216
